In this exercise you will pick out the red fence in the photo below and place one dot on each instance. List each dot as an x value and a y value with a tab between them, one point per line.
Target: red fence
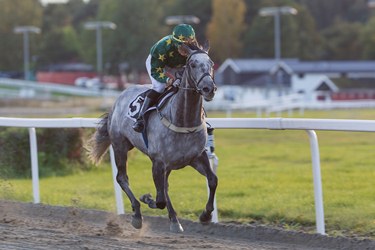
62	77
353	95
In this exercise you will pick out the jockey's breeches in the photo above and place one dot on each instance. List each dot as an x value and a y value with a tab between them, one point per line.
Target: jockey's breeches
156	85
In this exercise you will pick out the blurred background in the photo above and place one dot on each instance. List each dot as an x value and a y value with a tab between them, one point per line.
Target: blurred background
307	51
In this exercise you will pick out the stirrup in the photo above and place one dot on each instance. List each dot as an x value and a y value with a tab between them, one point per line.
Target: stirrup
139	125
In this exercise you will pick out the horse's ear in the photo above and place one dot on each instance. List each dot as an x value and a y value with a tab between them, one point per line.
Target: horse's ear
186	49
206	46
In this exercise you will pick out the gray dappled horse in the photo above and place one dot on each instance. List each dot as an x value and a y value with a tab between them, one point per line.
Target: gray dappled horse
176	136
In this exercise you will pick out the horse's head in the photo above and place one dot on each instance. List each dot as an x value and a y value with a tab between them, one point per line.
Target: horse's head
199	68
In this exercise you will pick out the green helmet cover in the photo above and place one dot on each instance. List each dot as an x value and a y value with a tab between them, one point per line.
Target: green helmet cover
182	32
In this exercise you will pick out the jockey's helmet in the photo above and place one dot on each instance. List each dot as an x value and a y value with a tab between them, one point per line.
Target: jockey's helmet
183	33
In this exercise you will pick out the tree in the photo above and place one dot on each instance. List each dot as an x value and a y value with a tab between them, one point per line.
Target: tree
139	23
226	29
342	41
252	8
367	38
299	37
17	13
198	8
55	16
309	40
326	12
61	45
259	39
260	35
81	11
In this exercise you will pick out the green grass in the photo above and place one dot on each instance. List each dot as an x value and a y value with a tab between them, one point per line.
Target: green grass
265	176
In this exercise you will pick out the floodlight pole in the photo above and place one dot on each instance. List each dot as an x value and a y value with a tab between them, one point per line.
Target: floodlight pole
98	26
277	35
276	12
25	30
99	50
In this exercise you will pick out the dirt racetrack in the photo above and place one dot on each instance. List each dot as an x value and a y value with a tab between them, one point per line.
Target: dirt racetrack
31	226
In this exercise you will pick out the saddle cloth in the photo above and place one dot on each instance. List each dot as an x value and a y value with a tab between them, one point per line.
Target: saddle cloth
136	105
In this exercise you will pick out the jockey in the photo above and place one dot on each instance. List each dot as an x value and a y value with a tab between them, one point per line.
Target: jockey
165	55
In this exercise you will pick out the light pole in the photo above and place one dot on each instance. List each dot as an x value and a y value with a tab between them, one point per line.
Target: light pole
98	26
276	12
25	30
188	19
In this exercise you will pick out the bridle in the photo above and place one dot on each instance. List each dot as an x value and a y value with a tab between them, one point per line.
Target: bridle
195	81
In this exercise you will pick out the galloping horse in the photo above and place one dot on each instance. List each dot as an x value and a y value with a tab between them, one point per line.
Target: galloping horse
176	136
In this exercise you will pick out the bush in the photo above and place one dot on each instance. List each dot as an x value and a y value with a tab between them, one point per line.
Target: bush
14	153
60	152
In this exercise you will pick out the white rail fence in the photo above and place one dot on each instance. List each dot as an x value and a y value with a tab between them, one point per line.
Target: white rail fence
309	125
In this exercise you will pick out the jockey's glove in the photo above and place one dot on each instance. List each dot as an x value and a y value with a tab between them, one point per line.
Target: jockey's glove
177	82
170	81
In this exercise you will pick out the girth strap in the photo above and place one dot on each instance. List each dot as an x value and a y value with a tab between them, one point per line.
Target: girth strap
176	129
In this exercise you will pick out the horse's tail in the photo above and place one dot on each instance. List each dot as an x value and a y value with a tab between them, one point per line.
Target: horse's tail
99	143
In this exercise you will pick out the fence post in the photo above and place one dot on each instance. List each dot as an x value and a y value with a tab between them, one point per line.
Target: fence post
318	193
214	162
34	164
118	190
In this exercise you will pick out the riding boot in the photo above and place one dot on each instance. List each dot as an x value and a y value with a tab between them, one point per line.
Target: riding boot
148	102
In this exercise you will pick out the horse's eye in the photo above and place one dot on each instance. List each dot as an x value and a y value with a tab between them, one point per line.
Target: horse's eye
193	65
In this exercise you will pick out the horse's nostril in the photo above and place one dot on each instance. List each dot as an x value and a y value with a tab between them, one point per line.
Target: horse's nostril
206	90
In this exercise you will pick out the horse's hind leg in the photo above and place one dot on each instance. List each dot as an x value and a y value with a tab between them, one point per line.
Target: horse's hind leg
120	151
202	165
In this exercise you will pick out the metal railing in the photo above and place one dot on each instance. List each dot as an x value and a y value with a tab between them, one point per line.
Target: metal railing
18	86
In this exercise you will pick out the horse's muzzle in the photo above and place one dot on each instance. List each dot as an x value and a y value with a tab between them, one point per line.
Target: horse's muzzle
208	92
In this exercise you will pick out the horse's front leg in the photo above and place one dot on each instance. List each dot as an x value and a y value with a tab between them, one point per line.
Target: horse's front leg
202	165
175	225
159	175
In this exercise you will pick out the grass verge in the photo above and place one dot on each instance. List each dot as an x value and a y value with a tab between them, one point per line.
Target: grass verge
265	177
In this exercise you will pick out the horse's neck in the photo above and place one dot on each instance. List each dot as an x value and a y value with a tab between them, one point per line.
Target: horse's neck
186	107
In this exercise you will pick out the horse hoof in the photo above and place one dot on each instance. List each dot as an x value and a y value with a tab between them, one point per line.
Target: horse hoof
146	198
161	205
137	222
176	227
205	218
